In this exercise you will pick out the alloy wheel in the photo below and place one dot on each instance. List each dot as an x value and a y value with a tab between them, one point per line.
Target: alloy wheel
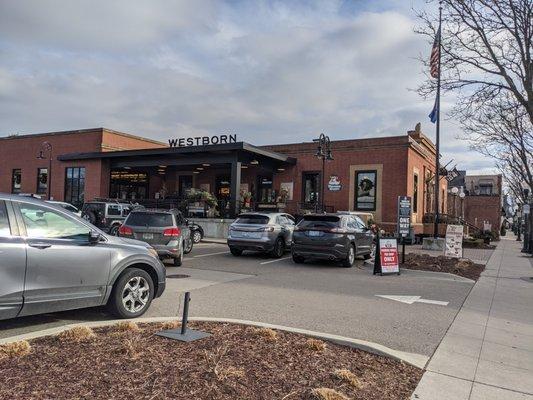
135	294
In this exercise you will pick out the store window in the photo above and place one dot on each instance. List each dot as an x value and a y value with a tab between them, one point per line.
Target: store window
75	186
310	187
128	185
366	190
415	193
16	180
265	192
42	180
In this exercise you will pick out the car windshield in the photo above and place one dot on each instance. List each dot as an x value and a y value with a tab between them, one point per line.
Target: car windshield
252	219
319	222
149	219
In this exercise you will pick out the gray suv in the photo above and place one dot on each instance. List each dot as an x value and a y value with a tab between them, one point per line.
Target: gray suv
165	230
265	232
51	260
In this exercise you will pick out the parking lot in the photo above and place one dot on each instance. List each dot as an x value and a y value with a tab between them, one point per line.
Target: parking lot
319	296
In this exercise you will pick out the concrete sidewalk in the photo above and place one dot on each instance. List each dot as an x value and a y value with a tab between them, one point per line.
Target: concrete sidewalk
488	351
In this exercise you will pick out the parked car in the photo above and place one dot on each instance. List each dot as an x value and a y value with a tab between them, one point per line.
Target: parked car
270	233
51	260
107	215
66	206
197	232
165	230
336	237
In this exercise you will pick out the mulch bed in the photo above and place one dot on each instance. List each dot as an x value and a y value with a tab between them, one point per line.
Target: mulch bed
462	267
237	362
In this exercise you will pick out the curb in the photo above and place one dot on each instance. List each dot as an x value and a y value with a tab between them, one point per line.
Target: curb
417	360
213	240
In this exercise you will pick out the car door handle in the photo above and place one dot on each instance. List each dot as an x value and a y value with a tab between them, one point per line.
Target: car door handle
40	246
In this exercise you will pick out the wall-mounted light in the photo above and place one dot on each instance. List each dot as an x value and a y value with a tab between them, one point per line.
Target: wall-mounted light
281	169
254	162
206	165
200	168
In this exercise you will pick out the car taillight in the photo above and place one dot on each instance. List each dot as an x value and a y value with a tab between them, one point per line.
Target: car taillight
125	230
268	229
174	232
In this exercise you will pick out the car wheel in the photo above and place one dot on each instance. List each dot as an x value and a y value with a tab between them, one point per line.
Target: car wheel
372	252
196	236
179	259
114	230
188	247
279	248
298	259
350	258
236	252
132	294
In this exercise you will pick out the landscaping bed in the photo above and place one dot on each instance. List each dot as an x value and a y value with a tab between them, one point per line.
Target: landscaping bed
237	362
461	267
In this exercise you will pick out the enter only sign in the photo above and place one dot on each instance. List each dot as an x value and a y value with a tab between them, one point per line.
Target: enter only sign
413	299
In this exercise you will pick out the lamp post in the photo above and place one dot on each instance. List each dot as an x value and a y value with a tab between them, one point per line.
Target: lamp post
462	196
323	153
526	213
455	191
47	147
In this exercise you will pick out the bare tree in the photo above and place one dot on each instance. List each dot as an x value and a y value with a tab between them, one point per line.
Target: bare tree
486	52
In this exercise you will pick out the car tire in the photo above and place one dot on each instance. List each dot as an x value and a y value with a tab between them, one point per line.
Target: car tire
298	259
197	236
179	259
113	231
236	252
138	301
188	248
89	216
279	248
350	258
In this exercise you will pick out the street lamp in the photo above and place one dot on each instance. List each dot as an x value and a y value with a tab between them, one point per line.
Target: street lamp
526	212
323	153
47	147
455	191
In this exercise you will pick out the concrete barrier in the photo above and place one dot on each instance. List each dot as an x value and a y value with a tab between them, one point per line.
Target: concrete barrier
216	228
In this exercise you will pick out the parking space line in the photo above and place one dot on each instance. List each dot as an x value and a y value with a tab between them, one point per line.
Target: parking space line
210	254
276	260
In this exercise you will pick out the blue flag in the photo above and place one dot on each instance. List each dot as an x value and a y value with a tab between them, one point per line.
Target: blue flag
433	115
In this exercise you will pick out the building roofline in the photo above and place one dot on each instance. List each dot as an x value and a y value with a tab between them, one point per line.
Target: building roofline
180	150
78	131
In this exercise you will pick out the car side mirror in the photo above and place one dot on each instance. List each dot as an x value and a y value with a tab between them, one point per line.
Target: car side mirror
94	237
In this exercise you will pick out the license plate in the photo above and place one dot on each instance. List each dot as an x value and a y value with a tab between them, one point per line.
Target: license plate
315	233
148	236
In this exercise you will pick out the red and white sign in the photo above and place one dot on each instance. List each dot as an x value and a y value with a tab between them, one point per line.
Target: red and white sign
388	252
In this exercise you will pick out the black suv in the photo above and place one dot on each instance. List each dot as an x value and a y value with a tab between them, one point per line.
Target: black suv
107	215
336	237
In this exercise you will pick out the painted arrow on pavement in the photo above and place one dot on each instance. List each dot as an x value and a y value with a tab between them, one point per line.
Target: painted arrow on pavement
413	299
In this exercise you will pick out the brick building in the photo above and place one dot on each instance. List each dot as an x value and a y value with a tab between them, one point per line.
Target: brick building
365	174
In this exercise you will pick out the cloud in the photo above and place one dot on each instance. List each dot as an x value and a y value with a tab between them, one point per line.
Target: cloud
268	71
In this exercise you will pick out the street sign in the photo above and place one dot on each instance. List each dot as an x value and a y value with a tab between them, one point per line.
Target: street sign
454	241
388	254
404	215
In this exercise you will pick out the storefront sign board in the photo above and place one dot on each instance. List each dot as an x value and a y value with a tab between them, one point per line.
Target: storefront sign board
454	241
202	140
388	253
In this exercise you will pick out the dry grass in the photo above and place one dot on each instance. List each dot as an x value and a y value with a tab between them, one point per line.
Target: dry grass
170	325
349	377
316	345
266	333
230	372
126	326
15	349
77	334
328	394
132	347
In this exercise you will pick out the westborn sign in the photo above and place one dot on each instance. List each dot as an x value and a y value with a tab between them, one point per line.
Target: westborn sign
202	140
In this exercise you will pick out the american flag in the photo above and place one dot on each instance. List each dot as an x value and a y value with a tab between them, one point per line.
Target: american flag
434	59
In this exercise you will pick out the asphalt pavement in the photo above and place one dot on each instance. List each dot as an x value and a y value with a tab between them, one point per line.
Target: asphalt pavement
318	296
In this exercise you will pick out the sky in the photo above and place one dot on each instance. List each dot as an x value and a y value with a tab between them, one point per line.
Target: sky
268	71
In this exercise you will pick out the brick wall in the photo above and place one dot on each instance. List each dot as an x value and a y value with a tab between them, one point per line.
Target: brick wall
483	208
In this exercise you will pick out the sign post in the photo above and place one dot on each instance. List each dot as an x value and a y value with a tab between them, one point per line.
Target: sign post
404	220
454	241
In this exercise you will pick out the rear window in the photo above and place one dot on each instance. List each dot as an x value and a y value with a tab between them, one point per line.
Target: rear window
320	222
253	219
149	219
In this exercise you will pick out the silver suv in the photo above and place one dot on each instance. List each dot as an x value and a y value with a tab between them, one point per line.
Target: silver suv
51	260
264	232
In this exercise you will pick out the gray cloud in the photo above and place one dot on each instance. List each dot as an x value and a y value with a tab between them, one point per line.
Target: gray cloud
269	71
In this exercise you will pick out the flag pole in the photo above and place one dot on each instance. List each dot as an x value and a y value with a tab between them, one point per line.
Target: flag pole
437	135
